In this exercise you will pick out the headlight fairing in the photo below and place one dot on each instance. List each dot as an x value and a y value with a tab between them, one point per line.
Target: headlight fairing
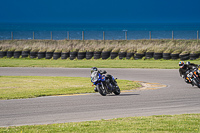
94	76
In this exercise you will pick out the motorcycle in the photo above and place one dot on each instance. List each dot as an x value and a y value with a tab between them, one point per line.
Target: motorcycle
193	77
105	84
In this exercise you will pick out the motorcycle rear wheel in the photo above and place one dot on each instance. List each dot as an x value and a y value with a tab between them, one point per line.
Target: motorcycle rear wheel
117	90
195	82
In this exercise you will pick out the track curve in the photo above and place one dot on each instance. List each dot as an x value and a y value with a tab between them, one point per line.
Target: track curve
176	98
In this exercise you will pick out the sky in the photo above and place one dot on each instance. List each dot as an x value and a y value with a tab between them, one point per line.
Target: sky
100	11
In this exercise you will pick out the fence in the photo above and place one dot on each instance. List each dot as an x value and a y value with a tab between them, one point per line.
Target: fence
98	35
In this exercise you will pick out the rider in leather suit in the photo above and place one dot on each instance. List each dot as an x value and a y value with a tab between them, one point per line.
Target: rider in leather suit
186	68
103	72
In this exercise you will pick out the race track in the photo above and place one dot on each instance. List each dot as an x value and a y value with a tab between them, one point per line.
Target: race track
177	98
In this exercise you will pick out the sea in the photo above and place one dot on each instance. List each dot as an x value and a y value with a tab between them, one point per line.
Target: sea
99	31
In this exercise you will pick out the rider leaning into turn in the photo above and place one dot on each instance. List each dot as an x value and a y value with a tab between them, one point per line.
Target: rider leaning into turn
185	68
103	72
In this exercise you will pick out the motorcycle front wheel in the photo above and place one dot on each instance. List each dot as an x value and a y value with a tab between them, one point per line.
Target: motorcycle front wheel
101	90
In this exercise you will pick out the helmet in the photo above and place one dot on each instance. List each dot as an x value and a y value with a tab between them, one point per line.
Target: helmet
181	64
188	63
93	69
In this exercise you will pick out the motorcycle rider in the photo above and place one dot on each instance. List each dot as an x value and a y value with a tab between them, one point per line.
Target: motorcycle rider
103	72
186	68
92	70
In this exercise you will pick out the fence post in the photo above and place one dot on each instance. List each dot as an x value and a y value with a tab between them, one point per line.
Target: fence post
103	35
197	36
150	35
33	35
51	35
83	35
125	35
172	35
11	35
67	35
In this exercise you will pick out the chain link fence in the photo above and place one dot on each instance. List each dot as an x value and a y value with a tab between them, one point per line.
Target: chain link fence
98	35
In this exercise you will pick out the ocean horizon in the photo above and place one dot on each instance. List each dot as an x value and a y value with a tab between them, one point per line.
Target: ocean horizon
94	31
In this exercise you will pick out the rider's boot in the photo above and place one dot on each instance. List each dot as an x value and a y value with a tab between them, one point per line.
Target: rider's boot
95	89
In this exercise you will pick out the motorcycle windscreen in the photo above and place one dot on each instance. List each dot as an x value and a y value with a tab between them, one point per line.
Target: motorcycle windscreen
94	76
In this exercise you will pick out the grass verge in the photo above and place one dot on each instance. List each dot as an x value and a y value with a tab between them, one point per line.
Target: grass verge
15	87
162	123
148	63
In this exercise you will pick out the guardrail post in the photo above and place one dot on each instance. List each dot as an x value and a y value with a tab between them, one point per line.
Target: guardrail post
197	36
172	35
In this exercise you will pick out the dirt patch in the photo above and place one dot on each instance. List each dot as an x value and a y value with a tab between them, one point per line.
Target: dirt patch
150	86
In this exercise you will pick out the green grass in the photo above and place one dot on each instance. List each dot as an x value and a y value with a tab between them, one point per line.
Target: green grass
15	87
149	63
185	123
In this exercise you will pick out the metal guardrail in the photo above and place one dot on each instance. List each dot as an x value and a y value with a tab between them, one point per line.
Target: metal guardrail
98	35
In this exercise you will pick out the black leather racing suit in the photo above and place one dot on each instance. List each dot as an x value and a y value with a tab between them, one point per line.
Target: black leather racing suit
186	69
108	80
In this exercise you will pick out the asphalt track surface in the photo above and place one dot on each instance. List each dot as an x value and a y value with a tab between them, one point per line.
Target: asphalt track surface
177	98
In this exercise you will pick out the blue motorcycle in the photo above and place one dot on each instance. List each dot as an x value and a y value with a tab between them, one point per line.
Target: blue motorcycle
105	84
